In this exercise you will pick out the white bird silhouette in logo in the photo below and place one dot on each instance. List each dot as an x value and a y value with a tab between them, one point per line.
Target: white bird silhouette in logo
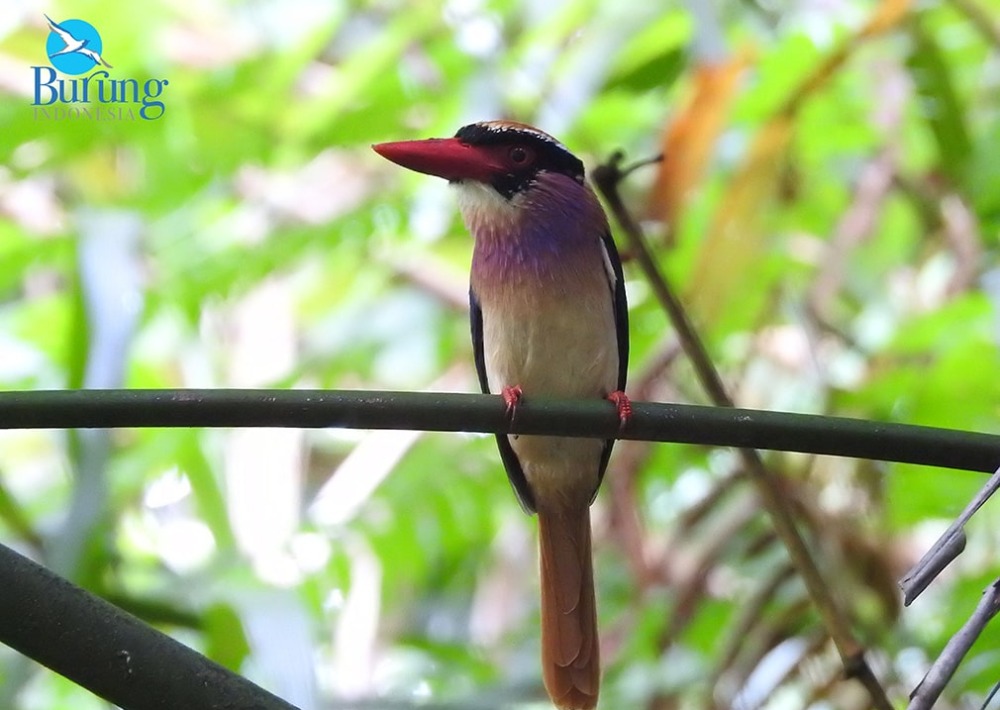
74	45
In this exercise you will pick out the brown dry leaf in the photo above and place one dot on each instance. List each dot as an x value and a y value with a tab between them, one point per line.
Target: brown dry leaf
733	242
729	251
888	14
689	140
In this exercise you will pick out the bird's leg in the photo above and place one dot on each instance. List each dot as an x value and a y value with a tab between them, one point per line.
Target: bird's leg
511	397
624	406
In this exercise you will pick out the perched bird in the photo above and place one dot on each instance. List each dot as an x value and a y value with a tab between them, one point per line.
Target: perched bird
549	317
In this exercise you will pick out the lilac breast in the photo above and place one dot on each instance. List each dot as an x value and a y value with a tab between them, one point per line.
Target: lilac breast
551	236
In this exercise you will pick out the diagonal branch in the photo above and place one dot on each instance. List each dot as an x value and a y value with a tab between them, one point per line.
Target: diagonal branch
129	663
110	652
925	695
607	178
949	546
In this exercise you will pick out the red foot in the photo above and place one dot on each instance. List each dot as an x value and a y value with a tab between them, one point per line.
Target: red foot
511	397
624	407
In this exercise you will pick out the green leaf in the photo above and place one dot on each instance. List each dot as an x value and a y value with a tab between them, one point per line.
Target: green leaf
226	642
654	58
658	71
941	105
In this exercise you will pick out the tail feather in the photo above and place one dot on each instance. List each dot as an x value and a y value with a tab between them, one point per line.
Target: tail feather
570	655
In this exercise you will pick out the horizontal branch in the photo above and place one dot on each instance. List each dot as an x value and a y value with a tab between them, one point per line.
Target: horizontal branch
434	411
108	651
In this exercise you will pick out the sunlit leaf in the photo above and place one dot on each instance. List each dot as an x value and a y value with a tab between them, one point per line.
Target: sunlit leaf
227	644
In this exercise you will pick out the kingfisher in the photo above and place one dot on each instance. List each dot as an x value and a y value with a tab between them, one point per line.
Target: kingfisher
549	317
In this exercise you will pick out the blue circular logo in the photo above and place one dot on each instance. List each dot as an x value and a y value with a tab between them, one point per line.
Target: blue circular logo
74	46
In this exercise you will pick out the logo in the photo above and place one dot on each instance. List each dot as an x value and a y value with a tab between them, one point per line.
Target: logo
75	48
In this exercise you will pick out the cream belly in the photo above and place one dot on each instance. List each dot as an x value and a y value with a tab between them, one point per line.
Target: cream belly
565	348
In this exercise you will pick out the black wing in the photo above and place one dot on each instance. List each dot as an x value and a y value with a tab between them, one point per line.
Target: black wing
510	462
621	331
621	308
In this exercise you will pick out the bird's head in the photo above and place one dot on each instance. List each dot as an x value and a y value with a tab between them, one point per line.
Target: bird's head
500	168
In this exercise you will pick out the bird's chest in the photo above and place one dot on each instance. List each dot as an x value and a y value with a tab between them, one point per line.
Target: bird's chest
549	330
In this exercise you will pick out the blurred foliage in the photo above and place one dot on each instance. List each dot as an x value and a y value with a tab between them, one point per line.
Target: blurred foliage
829	204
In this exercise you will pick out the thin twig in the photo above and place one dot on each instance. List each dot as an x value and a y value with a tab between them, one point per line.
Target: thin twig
926	693
751	611
989	697
949	546
854	227
607	178
14	516
961	233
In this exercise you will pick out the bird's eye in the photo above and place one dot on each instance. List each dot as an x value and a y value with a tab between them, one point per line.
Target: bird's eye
518	155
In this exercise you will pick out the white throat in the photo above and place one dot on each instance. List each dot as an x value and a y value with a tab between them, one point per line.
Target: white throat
481	205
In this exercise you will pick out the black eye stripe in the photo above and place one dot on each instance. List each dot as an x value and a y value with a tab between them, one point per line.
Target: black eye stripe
549	155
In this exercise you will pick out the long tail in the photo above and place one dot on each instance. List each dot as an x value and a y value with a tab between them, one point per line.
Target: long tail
571	664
